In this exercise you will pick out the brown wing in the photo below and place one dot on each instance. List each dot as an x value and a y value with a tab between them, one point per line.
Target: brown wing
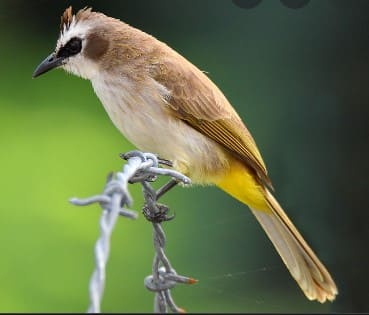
196	100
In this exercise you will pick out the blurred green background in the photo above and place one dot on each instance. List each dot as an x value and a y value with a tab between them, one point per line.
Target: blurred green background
298	78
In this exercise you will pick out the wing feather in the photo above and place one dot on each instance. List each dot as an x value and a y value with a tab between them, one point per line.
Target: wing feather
195	99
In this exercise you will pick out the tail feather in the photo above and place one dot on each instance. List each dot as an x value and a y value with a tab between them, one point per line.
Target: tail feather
305	267
310	274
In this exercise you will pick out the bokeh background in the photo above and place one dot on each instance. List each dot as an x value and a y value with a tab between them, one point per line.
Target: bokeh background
299	79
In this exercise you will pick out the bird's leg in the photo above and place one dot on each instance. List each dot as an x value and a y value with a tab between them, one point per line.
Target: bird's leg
164	189
165	162
168	186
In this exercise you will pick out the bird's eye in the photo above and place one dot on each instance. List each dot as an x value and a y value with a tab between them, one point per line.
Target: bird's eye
73	47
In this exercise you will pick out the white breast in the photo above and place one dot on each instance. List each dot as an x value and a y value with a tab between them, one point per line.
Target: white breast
140	116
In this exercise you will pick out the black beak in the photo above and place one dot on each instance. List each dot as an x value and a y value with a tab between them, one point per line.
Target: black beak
51	62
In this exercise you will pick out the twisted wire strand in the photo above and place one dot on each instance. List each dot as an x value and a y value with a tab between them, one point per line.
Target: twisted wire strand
143	168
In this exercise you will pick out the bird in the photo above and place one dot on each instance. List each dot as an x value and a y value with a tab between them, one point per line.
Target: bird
163	103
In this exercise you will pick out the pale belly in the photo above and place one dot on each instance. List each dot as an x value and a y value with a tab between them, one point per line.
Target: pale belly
143	121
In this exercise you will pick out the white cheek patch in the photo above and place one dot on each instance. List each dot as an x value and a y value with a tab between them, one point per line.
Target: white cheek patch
81	66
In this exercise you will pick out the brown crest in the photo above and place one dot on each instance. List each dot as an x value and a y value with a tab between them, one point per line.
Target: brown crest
84	14
66	19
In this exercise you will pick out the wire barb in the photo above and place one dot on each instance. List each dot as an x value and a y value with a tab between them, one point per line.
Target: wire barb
143	168
163	277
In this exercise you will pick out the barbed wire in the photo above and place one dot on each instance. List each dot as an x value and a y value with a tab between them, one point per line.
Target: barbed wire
141	168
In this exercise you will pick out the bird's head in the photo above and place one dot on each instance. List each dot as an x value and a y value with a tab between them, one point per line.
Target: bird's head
82	43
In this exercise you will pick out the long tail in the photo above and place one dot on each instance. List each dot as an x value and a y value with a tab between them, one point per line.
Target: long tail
305	267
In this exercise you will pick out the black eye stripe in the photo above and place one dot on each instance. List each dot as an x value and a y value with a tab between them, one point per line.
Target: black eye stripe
73	47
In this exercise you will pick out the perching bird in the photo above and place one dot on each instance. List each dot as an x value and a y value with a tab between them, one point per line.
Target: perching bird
164	104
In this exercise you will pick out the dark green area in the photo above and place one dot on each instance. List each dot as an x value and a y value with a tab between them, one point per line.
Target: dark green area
298	78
